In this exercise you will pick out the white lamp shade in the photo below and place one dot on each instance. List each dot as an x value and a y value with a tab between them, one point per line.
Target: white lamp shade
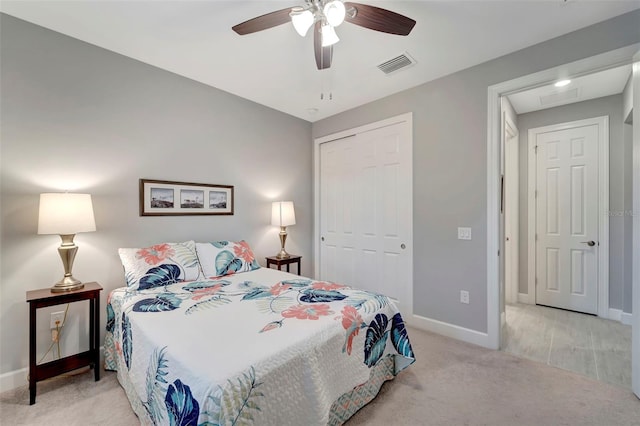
65	214
302	20
334	11
282	213
329	36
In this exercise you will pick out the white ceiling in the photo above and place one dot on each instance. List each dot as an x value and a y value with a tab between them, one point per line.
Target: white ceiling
276	67
583	88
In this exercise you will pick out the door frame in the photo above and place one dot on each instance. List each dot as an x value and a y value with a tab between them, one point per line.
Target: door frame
406	118
603	207
635	274
605	60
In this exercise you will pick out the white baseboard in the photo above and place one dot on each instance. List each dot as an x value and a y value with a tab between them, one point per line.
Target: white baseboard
13	379
615	314
524	298
450	330
623	317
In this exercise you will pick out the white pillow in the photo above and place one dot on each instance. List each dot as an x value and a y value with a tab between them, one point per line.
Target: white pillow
160	264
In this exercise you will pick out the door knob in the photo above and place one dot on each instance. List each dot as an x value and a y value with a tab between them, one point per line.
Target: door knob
322	238
589	243
402	246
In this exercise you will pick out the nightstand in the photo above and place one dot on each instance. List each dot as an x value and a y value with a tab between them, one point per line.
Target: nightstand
43	298
273	260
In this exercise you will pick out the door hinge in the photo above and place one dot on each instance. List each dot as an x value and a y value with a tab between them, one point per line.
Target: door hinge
536	149
536	237
535	194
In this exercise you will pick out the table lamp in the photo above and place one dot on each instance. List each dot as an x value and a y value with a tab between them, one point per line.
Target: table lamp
66	214
283	215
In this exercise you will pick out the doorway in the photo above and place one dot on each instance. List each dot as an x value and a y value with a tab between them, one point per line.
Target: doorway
494	271
565	173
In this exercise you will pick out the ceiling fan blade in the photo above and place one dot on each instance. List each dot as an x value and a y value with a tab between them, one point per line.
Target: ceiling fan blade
378	19
263	22
323	54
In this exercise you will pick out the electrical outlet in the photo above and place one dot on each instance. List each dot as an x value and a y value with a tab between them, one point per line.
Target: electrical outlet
464	296
56	317
464	233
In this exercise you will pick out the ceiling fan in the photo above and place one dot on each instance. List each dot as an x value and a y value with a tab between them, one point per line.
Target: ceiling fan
324	16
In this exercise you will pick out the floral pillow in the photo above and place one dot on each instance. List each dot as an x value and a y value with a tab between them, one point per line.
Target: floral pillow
160	265
221	258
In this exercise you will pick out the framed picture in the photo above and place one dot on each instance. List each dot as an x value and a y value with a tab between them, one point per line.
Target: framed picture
165	198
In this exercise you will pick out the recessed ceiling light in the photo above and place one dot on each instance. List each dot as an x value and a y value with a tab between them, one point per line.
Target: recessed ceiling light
562	83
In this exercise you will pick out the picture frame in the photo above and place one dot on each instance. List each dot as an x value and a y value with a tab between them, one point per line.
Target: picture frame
168	198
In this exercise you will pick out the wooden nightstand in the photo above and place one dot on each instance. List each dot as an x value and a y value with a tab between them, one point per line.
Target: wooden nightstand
272	260
43	298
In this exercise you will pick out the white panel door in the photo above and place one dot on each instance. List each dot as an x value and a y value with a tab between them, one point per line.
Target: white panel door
567	219
337	203
365	211
384	205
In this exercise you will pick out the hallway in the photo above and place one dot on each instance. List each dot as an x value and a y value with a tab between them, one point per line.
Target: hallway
585	344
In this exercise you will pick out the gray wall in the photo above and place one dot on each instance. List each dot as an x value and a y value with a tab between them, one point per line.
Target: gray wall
78	117
450	164
619	175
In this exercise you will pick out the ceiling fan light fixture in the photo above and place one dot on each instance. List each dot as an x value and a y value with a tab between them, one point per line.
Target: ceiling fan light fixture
335	12
329	36
302	20
325	16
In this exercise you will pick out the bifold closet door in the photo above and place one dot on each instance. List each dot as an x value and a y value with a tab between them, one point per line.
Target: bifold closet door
365	223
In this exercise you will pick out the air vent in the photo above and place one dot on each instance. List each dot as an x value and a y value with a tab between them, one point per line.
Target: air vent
397	63
558	97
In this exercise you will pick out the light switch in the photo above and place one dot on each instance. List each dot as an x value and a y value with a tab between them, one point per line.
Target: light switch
464	233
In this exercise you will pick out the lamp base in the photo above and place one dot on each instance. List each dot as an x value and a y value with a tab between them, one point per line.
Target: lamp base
67	284
283	240
283	255
67	251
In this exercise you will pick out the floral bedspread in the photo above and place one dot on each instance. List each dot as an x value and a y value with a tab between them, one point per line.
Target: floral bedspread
263	347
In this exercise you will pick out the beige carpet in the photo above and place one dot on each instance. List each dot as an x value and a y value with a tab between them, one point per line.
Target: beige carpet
451	383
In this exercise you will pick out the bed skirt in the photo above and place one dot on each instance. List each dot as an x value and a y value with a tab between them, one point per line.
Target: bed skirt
342	409
349	403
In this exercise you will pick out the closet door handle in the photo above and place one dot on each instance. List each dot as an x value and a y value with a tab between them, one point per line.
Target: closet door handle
589	243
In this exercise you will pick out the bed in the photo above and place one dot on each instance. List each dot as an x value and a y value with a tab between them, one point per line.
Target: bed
202	335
